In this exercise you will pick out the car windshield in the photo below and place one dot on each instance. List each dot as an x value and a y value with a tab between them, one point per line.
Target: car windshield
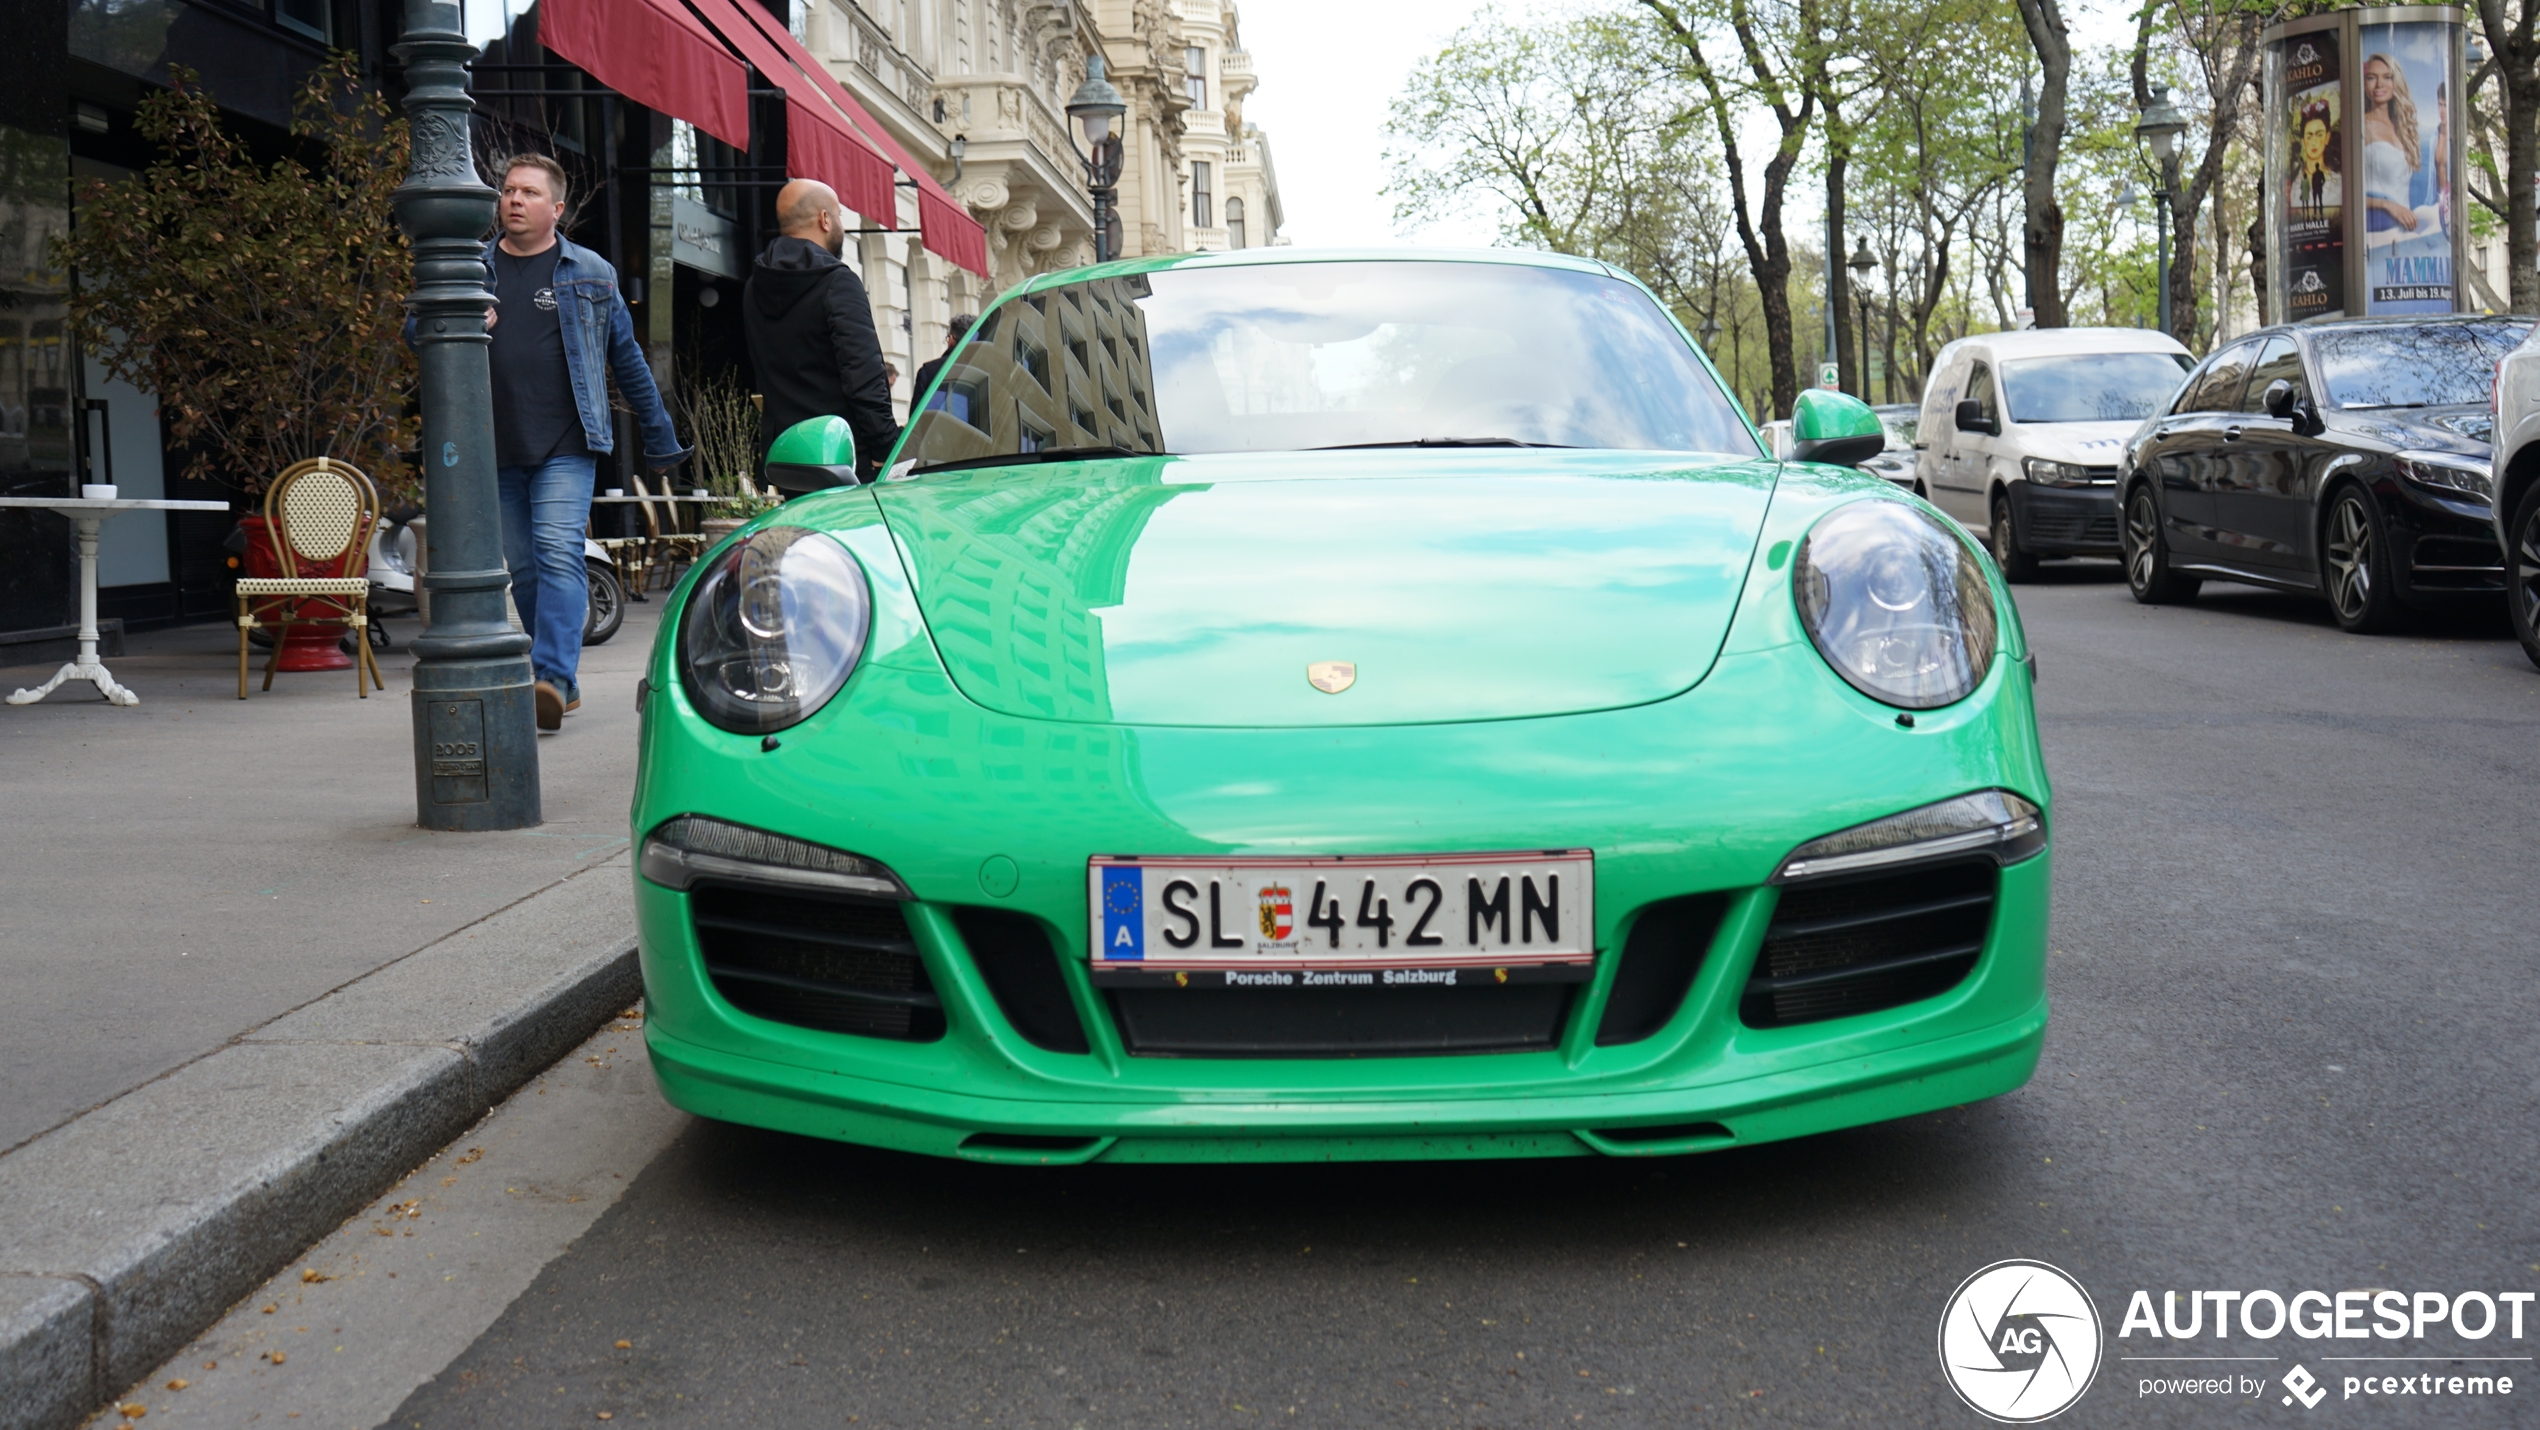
2422	365
2090	387
1283	357
1900	429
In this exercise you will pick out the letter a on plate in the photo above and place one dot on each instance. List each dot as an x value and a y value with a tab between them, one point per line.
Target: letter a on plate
1331	676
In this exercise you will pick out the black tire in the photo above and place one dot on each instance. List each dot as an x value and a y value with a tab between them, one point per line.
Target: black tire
2355	564
608	604
2147	553
2002	538
2522	572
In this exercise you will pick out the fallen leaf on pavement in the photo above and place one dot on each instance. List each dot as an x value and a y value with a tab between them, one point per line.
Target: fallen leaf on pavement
134	1411
269	1310
471	1155
276	1357
311	1273
179	1383
605	1415
626	1345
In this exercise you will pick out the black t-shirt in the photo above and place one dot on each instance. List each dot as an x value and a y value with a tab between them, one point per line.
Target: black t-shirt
535	416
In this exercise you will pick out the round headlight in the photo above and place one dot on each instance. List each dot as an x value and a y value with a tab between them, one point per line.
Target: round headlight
773	627
1896	604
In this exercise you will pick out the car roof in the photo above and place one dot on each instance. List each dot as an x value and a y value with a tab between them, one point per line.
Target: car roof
2047	342
1253	257
2403	320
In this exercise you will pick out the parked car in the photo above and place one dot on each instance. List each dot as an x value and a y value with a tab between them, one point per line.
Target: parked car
1337	706
2515	408
2347	459
2020	434
1897	463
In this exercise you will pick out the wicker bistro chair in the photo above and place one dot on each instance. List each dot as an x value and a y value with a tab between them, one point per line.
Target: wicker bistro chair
319	513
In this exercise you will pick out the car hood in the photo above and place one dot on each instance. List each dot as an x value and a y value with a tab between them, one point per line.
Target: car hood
2085	444
1459	585
2462	430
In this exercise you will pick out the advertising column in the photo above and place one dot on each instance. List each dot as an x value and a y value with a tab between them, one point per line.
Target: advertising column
2407	137
2306	163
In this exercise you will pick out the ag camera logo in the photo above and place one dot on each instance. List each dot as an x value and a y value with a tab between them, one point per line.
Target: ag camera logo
2019	1342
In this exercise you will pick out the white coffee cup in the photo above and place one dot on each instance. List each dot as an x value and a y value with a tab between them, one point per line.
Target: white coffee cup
98	491
698	492
614	492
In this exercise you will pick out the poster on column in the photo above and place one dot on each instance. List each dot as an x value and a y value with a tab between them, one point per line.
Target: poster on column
2406	146
2315	182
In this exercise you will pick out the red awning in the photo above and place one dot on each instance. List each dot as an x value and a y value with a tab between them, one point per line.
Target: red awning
945	227
820	143
656	54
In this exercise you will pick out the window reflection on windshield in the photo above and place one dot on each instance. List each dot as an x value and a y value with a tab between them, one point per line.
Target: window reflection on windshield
2421	365
1295	356
2090	387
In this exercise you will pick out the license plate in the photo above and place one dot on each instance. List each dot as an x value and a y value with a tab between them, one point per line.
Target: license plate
1394	912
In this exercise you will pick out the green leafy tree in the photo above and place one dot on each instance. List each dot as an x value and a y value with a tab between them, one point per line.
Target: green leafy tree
262	303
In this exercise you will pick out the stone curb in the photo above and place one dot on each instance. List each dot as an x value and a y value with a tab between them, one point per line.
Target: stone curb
126	1231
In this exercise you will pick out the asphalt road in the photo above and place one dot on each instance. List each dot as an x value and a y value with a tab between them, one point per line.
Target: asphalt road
2292	1048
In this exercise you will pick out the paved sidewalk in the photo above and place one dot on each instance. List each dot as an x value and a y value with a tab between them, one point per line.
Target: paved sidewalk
193	866
240	991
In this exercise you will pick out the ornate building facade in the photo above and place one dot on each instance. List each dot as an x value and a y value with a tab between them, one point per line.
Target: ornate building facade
992	77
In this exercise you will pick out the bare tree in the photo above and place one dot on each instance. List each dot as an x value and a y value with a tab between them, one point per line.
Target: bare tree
2043	238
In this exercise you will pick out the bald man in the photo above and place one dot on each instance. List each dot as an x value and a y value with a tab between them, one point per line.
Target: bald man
810	329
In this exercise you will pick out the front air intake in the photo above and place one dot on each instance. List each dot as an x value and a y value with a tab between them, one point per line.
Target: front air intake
1660	957
838	964
1838	947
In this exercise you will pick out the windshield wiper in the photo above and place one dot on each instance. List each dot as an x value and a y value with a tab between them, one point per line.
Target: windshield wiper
1046	454
1439	442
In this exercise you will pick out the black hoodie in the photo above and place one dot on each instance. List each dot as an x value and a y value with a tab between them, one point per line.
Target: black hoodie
812	341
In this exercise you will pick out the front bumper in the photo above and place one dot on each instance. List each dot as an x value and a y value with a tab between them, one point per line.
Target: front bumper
2442	546
1771	749
2065	521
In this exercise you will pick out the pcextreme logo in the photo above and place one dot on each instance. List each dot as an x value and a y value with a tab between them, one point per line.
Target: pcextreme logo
2019	1342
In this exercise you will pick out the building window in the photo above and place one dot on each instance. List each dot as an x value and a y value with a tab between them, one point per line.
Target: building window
1203	203
313	18
1234	223
1195	75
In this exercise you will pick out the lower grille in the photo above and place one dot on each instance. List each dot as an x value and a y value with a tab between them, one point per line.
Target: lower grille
1012	953
1378	1021
2071	528
1836	949
1660	958
841	965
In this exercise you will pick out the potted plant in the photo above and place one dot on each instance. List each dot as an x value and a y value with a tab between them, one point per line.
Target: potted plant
723	425
261	303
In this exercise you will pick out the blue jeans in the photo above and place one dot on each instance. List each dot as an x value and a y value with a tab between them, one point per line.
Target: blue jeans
545	509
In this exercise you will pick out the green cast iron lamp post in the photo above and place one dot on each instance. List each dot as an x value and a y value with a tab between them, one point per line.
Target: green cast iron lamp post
476	750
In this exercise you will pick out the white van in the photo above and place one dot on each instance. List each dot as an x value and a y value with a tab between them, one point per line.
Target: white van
2021	433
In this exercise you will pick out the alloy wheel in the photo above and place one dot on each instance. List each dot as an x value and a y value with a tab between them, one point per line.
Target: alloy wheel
2142	531
2349	551
2525	590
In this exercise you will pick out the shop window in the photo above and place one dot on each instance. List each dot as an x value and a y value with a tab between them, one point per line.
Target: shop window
313	18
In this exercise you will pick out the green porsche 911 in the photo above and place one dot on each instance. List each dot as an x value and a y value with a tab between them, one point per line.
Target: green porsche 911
1286	705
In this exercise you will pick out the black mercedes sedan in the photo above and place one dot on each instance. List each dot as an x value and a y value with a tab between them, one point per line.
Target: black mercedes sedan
2344	458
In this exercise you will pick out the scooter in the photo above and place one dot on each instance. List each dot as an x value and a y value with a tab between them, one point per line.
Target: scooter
395	554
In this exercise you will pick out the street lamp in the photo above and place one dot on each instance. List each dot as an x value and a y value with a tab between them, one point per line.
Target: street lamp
1096	108
1861	262
476	742
2159	129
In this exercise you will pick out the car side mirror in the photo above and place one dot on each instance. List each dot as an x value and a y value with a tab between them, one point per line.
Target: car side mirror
2279	400
1834	428
812	456
1971	418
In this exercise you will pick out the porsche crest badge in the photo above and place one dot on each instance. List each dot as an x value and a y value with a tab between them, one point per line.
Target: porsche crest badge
1331	676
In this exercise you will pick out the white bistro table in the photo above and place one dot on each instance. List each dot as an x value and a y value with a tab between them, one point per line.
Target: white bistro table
86	514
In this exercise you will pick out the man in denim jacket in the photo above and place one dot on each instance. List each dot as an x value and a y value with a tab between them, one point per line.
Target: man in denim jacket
559	331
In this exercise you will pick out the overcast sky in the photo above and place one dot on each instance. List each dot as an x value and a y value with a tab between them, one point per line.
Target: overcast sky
1329	68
